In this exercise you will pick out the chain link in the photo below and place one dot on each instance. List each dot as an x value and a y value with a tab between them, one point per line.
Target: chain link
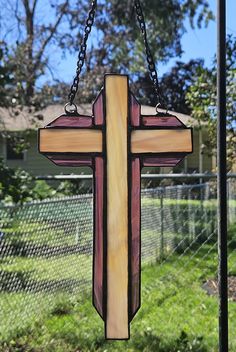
83	48
82	52
149	56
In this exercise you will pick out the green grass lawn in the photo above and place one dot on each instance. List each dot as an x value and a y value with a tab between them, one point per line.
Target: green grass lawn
176	313
42	307
186	202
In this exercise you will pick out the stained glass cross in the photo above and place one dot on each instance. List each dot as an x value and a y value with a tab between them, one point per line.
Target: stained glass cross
117	141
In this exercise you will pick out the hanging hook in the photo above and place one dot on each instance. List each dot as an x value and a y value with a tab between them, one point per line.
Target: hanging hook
71	108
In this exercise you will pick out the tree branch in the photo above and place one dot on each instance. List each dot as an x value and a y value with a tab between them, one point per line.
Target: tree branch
52	32
27	8
34	6
29	20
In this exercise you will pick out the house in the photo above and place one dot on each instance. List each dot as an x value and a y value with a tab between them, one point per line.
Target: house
16	122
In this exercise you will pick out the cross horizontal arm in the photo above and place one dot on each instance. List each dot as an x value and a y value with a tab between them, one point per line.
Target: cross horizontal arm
70	140
161	141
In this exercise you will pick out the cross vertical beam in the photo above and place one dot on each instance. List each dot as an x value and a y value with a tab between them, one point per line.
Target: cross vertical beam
116	94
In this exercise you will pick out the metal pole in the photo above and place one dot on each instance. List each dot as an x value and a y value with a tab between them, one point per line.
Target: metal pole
200	154
222	176
162	225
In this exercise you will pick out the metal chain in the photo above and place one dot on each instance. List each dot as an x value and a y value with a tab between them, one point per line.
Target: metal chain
150	60
82	54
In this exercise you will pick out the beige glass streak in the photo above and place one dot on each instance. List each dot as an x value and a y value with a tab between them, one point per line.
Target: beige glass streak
117	325
161	141
70	140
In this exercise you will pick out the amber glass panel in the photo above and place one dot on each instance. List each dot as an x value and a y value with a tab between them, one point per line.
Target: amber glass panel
117	206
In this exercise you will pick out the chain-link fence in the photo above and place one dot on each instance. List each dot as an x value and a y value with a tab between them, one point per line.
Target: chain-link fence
46	249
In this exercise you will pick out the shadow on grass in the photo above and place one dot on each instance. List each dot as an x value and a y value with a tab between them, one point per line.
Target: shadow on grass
147	341
152	343
144	341
21	281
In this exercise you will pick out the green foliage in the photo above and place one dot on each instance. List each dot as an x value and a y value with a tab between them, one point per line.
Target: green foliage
122	38
73	187
18	186
19	141
202	100
175	84
232	236
41	190
14	184
6	78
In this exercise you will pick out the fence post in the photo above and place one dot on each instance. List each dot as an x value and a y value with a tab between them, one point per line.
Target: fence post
191	228
162	224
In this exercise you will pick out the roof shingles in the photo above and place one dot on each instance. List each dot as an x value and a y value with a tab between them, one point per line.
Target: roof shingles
15	119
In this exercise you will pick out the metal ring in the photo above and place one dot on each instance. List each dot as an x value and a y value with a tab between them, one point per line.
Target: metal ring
157	106
73	108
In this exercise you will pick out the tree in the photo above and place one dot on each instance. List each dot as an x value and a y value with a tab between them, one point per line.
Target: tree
36	28
202	99
15	185
120	45
29	35
6	77
176	83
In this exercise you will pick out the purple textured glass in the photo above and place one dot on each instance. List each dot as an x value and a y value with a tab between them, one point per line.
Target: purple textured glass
98	260
162	161
98	286
68	160
98	109
135	234
72	121
135	201
158	121
135	111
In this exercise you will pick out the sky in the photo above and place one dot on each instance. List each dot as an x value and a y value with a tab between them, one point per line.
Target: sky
197	43
201	43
